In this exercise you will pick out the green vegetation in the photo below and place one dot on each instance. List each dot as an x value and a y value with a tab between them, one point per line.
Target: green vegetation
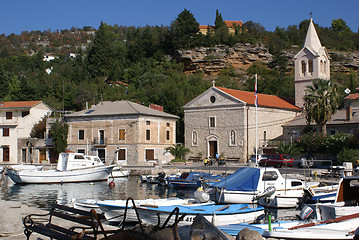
178	151
139	63
59	132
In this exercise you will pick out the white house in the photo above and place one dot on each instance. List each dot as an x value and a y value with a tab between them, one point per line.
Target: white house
16	122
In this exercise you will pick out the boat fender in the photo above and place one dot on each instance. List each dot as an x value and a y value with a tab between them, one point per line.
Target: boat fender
111	184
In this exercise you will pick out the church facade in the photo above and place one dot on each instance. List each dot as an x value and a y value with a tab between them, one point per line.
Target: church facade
223	121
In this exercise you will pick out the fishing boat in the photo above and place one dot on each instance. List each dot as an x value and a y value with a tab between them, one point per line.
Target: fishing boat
192	179
217	214
249	185
71	167
115	209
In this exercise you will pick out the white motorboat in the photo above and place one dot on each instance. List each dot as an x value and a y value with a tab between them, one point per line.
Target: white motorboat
71	167
248	185
217	214
115	209
118	172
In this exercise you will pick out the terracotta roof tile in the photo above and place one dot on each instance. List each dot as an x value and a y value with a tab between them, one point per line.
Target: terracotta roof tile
231	23
352	96
264	100
19	104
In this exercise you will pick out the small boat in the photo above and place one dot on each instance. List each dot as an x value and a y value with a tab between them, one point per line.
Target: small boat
217	214
118	172
86	204
336	229
71	167
115	209
148	178
192	179
247	185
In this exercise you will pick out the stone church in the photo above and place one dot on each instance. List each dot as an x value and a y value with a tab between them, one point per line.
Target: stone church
223	121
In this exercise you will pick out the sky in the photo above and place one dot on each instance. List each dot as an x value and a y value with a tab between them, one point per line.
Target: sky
31	15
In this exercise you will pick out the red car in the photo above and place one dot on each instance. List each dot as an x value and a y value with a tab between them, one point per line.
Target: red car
277	160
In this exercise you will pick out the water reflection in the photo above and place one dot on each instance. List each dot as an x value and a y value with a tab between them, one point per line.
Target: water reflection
44	195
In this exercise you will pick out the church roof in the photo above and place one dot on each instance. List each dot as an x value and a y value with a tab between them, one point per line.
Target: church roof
312	41
264	100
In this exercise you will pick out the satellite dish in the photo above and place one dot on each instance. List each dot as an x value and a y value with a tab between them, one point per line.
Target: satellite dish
347	91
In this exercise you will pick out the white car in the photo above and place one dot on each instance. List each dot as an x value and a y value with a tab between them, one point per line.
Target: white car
259	157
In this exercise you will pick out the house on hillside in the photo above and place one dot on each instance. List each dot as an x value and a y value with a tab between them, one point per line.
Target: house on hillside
122	131
16	122
230	24
223	121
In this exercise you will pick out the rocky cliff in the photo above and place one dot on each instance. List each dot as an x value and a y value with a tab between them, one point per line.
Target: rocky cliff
211	60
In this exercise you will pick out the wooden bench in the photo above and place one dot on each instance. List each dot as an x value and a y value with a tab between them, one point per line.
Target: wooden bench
233	159
81	224
194	159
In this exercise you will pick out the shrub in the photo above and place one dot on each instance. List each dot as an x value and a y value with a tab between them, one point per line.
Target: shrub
312	141
348	155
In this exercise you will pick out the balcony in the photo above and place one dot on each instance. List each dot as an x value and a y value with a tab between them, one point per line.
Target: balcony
265	143
99	142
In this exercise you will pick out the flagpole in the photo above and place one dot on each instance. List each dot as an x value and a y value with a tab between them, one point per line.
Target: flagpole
256	103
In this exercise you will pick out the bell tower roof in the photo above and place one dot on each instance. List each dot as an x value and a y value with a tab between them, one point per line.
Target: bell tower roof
312	41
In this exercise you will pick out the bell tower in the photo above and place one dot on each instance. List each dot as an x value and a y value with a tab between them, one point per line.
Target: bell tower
311	62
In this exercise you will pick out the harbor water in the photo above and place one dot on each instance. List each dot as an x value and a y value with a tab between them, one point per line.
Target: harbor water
43	196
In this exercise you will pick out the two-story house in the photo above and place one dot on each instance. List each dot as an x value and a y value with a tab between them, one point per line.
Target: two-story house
16	122
124	131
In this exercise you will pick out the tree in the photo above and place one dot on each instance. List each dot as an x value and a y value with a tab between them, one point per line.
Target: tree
320	102
59	132
339	25
177	150
184	30
39	129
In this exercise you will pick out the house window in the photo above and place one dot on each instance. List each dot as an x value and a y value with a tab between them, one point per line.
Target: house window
81	150
25	113
168	124
150	154
102	136
167	135
232	138
212	99
121	134
121	154
310	66
6	132
148	134
148	122
194	138
6	153
304	67
212	122
8	115
81	134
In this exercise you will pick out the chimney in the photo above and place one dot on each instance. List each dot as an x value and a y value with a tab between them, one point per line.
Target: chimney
349	113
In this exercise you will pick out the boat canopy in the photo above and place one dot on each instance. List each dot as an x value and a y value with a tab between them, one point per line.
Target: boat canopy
244	179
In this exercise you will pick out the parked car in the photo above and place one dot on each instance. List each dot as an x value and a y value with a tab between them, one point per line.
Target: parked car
259	157
277	160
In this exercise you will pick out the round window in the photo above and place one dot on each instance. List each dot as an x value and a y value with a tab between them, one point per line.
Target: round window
212	99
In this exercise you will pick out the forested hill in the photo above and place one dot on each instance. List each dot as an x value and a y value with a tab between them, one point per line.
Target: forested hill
146	64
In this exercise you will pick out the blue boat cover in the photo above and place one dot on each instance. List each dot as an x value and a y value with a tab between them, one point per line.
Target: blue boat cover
244	179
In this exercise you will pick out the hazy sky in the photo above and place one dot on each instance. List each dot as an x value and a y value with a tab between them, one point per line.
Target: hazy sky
25	15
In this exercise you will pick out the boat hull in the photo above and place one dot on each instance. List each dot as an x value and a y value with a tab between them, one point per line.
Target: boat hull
114	210
246	215
92	174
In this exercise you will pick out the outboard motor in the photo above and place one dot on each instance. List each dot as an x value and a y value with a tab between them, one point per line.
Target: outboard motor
266	193
307	196
306	212
201	195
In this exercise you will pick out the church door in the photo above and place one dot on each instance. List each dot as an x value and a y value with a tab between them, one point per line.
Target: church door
213	148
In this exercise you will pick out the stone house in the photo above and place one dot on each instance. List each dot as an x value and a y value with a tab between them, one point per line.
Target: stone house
16	122
230	24
223	121
122	131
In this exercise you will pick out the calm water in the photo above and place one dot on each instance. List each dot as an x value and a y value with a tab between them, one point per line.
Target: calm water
44	195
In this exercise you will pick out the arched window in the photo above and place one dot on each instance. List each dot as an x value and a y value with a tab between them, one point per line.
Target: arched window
310	66
321	66
194	138
325	67
304	67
